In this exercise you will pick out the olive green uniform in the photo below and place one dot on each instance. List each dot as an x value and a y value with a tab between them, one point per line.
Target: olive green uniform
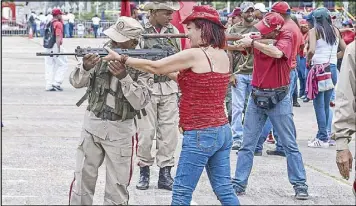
162	112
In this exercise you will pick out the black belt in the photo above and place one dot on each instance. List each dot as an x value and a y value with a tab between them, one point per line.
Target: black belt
109	116
274	89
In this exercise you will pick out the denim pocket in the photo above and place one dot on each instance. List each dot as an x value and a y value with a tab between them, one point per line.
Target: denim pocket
207	139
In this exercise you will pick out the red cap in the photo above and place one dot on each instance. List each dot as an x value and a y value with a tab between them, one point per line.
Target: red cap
270	22
236	12
303	22
204	12
281	7
56	12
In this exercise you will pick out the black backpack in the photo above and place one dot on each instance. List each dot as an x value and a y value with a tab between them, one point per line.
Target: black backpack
49	38
32	19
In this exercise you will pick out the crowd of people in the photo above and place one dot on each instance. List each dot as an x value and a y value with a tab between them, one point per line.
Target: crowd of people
133	100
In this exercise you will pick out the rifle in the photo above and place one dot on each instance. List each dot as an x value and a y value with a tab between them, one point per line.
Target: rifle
152	54
229	37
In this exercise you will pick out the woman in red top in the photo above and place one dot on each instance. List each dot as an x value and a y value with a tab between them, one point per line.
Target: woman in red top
202	73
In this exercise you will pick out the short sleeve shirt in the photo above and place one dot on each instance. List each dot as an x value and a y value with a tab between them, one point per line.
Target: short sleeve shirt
298	40
58	29
269	72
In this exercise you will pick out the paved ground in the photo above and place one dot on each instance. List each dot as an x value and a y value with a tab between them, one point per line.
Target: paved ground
42	129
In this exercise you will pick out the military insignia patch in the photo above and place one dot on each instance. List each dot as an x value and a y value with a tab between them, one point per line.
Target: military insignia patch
120	25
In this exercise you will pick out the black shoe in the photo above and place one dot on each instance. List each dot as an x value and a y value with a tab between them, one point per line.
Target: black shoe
258	153
58	88
296	104
144	181
274	152
165	180
301	194
306	100
51	90
236	145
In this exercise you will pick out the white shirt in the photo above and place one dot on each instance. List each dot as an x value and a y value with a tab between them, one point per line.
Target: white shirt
96	20
71	17
49	18
65	19
325	53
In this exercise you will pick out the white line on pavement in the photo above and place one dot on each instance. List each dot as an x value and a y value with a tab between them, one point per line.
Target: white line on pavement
18	196
24	169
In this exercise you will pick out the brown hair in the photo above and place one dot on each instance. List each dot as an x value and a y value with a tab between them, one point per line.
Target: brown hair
211	33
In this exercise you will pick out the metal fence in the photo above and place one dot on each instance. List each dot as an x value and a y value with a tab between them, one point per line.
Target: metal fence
80	28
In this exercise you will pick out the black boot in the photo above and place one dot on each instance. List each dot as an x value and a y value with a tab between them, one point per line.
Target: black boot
165	180
144	181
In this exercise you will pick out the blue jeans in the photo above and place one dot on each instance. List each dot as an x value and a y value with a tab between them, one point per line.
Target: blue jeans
263	136
281	117
302	75
268	126
66	30
95	28
209	148
71	28
238	94
322	108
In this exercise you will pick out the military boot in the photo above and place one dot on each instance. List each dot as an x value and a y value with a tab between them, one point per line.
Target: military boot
165	180
144	181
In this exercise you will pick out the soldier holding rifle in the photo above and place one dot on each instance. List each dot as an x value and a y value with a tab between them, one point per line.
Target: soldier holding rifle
116	94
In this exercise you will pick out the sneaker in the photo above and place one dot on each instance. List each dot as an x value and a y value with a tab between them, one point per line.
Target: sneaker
296	104
303	97
239	192
332	142
332	104
236	145
312	140
301	194
51	90
270	139
318	144
306	100
58	88
275	152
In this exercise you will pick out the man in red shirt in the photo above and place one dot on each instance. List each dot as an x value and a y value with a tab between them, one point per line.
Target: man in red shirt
56	66
284	10
270	98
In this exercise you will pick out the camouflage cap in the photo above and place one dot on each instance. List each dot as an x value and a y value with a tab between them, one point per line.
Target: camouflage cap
167	5
125	29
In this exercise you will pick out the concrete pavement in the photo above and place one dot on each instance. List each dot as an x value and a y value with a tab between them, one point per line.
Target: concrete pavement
42	131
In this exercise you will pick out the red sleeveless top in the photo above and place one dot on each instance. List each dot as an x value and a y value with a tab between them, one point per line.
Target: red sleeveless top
202	101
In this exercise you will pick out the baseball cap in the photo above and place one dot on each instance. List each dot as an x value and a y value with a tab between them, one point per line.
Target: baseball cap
236	12
56	12
281	7
124	29
321	12
347	22
270	22
261	7
246	5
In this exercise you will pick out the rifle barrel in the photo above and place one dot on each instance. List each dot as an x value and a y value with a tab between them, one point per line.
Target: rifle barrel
54	54
229	37
181	35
